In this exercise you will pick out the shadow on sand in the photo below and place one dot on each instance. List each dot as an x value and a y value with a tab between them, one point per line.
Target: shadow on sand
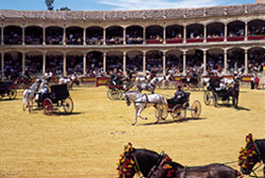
172	121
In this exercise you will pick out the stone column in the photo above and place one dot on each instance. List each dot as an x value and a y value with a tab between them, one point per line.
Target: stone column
104	38
124	63
23	35
44	63
164	35
225	33
124	36
204	62
144	35
246	31
184	34
3	63
64	36
104	62
184	63
64	65
144	62
44	36
84	64
205	33
225	61
84	37
23	64
2	36
246	62
164	63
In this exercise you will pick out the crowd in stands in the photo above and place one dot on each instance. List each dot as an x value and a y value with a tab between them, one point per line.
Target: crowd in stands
174	34
13	37
54	64
33	39
256	31
215	34
94	39
114	37
74	38
155	37
134	37
236	62
74	64
174	64
194	63
236	32
135	63
54	38
94	64
12	66
256	61
195	34
33	64
215	63
114	62
154	62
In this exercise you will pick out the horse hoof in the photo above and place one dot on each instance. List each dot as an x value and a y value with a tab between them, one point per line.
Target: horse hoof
163	118
133	124
145	118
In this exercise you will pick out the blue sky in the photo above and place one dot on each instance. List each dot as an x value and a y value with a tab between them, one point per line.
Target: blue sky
116	4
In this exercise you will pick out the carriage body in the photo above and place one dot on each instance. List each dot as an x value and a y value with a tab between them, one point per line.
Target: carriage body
7	89
191	83
115	92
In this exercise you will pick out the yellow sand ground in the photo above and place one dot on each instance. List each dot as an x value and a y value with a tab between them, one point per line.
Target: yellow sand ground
88	143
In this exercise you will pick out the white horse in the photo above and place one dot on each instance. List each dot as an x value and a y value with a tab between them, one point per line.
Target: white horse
164	80
29	93
151	86
142	101
205	82
144	79
66	80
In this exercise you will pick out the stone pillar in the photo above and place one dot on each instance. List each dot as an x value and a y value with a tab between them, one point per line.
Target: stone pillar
64	65
225	61
84	37
23	64
104	38
184	63
246	62
23	36
225	33
144	62
124	36
144	35
84	64
205	33
246	31
2	36
164	63
44	63
44	36
124	63
104	62
164	35
2	66
204	62
184	34
64	36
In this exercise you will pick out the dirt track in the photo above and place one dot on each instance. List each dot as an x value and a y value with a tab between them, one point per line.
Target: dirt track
89	142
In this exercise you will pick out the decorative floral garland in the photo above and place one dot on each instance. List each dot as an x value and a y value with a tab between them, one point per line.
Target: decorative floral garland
245	153
126	165
167	165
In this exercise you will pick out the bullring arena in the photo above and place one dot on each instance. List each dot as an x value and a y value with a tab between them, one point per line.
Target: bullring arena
88	143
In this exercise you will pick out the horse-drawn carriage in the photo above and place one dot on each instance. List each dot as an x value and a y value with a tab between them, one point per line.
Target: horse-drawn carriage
225	95
190	83
116	92
178	111
8	89
50	101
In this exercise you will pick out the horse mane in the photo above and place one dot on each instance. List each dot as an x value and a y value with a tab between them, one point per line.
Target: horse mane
148	152
261	146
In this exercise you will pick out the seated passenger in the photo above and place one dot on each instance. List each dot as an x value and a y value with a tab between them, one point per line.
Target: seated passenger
222	87
179	98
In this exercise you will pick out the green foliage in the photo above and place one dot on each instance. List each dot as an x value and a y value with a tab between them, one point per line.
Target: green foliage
65	9
49	4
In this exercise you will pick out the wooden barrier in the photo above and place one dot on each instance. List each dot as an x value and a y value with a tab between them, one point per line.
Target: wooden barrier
102	81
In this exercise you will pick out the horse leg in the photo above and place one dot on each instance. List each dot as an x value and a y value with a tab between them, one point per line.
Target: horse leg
139	112
159	110
135	120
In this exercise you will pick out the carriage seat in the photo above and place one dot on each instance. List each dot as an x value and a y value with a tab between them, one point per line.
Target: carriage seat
174	101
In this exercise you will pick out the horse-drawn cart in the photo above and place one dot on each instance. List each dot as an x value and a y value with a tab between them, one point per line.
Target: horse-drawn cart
58	97
178	111
7	89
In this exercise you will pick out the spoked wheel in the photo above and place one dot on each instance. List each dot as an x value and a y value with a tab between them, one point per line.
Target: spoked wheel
185	86
68	105
196	109
191	87
207	98
48	106
115	94
109	94
12	94
178	112
215	100
164	112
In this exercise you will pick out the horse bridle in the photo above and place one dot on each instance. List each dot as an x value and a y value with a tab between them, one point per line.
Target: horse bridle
159	162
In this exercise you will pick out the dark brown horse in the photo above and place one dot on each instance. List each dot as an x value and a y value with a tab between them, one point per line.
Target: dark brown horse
153	165
251	154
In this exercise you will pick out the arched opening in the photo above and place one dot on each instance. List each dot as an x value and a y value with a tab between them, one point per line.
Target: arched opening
174	62
114	35
13	35
13	65
194	62
195	33
134	61
256	30
54	63
214	61
94	36
74	36
235	60
34	63
154	61
256	59
74	63
114	61
236	31
174	34
215	32
54	36
154	34
33	35
94	64
1	77
134	35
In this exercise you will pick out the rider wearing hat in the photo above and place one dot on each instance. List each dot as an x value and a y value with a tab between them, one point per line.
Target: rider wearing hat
179	97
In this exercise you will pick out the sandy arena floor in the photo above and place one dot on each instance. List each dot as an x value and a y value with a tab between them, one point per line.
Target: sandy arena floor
88	143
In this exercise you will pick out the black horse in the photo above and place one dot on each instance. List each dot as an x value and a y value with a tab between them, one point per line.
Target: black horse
153	165
251	154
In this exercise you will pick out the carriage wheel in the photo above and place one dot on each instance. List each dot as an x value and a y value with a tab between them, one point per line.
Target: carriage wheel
207	97
122	95
164	112
198	87
235	102
196	109
115	94
109	94
185	86
12	93
178	112
47	106
30	105
215	100
68	105
191	87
